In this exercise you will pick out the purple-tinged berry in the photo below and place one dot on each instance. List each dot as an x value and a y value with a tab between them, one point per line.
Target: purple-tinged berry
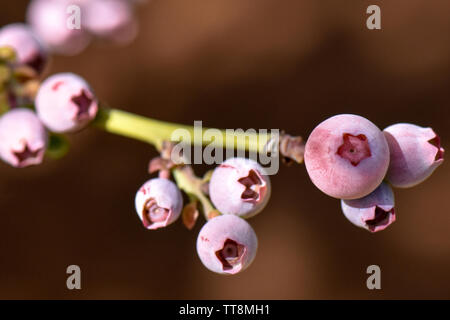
49	20
66	103
23	138
111	19
158	203
374	212
29	50
415	153
347	156
227	244
239	186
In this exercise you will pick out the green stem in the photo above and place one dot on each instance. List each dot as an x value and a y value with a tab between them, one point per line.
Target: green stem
155	132
187	181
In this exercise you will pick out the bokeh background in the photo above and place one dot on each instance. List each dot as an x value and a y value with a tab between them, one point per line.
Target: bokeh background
239	64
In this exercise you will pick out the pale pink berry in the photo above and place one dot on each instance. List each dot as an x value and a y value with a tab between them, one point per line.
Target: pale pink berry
66	103
111	19
227	244
158	203
29	50
374	212
415	153
23	138
239	186
50	20
347	156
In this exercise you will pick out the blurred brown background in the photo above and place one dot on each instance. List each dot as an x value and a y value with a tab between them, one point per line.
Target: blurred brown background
239	64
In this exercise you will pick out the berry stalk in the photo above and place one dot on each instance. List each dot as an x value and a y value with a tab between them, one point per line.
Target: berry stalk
155	132
192	186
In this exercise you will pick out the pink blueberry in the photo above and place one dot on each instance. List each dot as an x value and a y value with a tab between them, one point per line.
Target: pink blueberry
374	212
347	156
158	203
111	19
66	103
23	138
415	153
29	49
227	244
239	186
49	20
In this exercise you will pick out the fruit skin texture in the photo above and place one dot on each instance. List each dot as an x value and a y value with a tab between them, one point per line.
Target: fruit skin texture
227	244
48	19
374	212
23	138
29	50
66	103
158	203
347	156
239	186
111	19
415	154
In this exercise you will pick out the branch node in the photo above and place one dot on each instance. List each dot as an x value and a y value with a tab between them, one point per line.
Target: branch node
292	148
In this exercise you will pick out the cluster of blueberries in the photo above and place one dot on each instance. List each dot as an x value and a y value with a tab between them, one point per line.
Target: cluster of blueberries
68	26
346	156
64	103
239	188
52	29
49	31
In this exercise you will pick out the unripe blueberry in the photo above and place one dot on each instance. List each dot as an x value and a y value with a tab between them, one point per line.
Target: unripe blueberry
346	156
415	153
239	186
227	244
66	103
374	212
29	50
158	203
50	20
111	19
23	138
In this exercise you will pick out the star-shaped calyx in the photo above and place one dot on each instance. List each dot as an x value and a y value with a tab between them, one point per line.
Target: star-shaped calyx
436	141
354	148
83	102
231	254
254	186
26	155
153	213
381	219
